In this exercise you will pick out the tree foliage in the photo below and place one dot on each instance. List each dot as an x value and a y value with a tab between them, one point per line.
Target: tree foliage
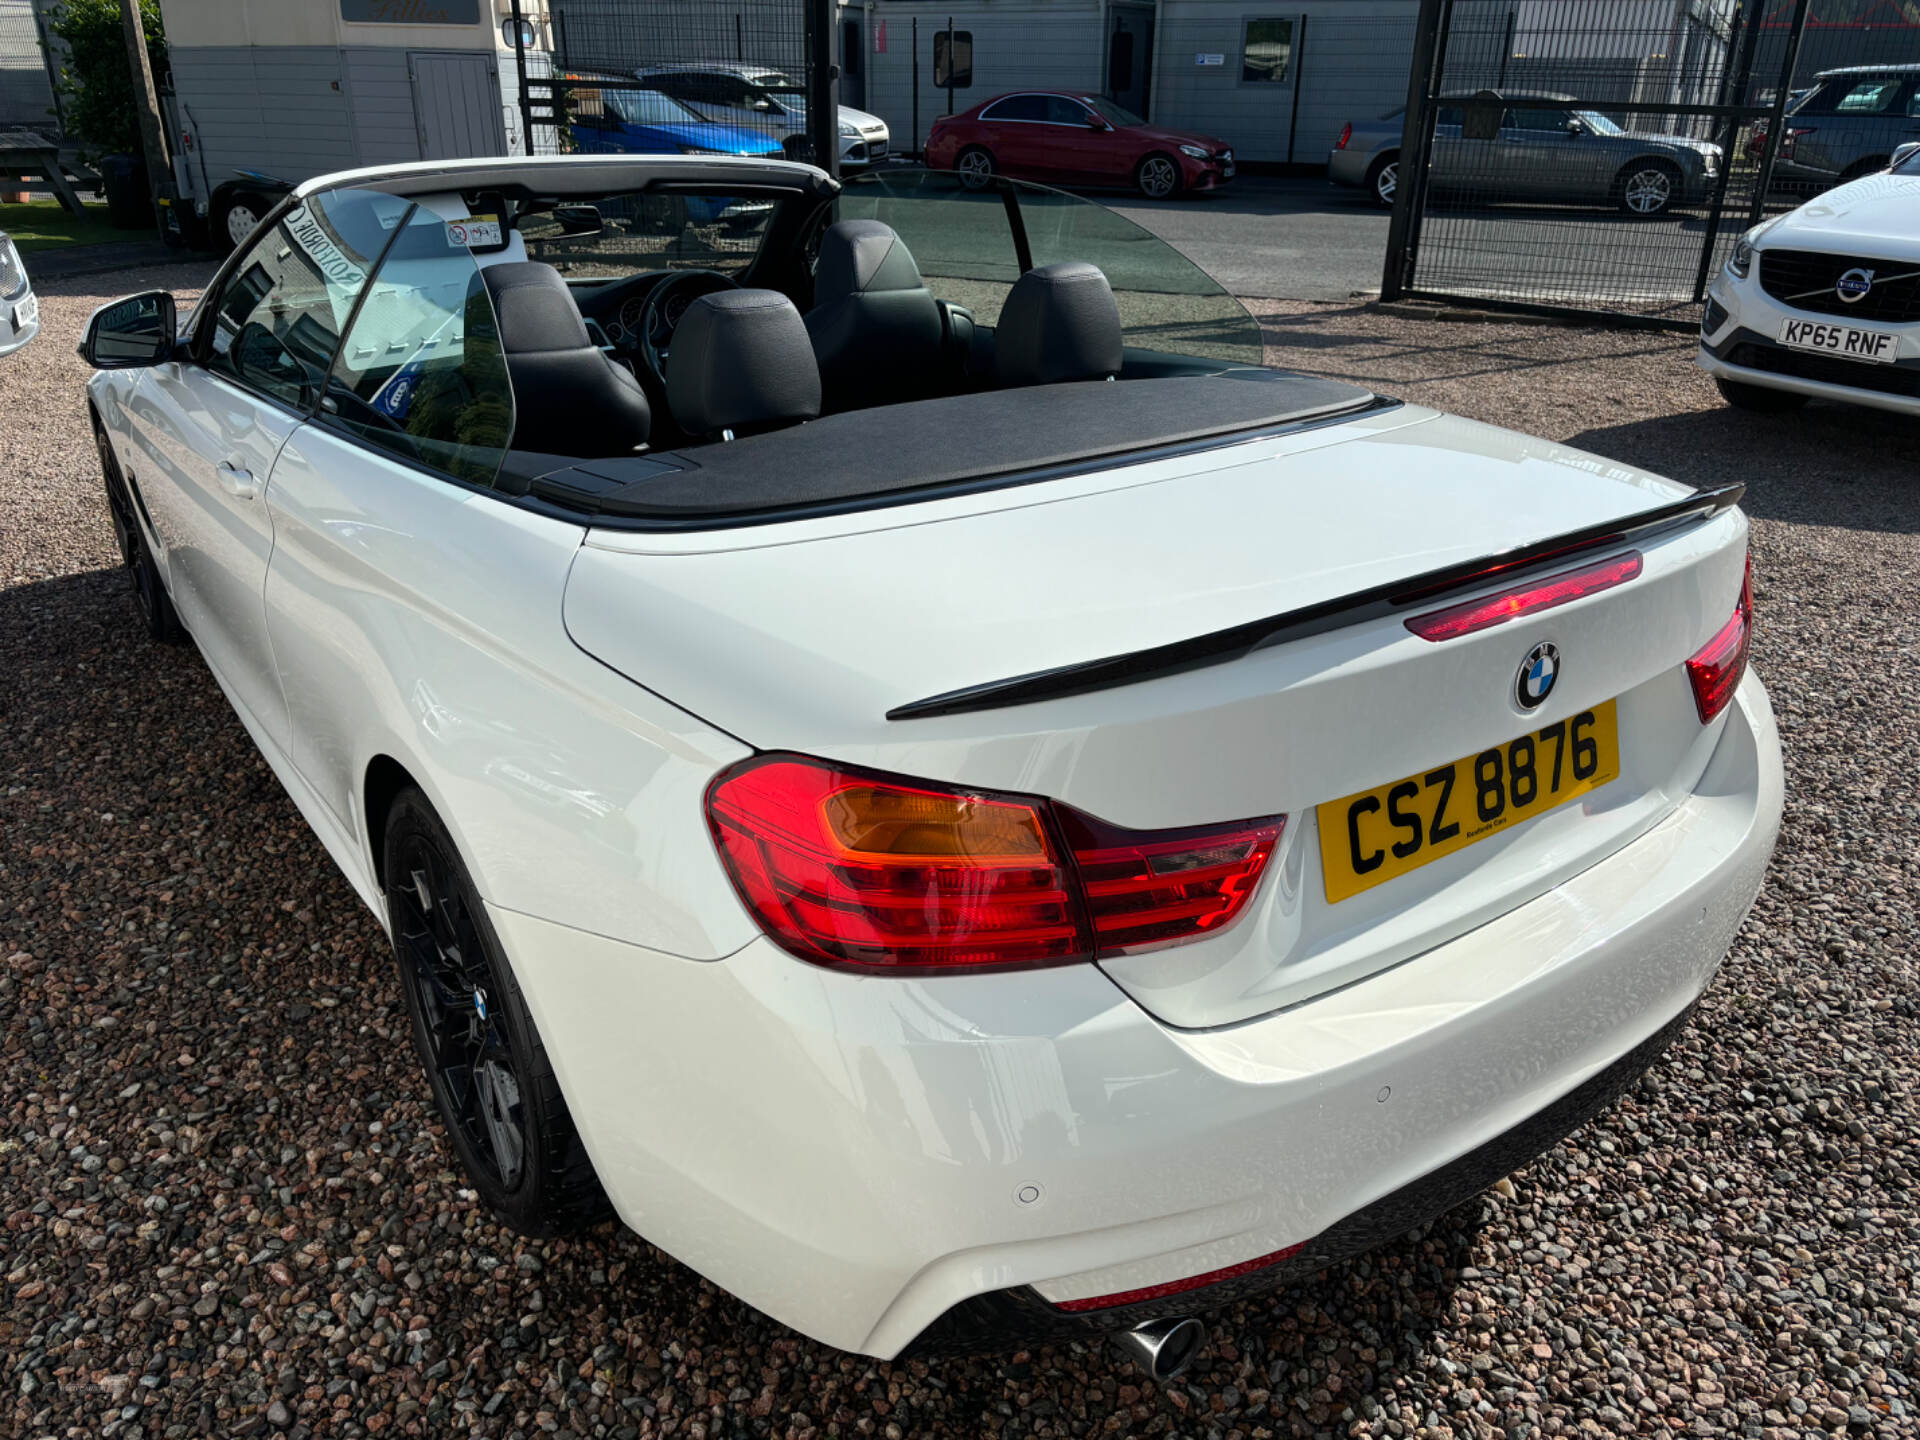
96	82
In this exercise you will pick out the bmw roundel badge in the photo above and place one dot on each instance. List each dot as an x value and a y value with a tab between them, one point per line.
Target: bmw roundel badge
1537	674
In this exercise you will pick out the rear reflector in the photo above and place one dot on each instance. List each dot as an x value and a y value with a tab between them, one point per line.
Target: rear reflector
1346	134
877	872
1716	669
1179	1287
1528	599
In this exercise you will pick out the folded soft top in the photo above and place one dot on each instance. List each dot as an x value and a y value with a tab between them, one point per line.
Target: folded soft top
889	454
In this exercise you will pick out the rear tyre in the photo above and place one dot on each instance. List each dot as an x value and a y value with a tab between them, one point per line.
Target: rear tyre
1758	398
1383	180
1647	188
157	615
492	1082
237	215
974	165
1158	176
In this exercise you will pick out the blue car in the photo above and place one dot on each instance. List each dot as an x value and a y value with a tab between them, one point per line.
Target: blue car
645	122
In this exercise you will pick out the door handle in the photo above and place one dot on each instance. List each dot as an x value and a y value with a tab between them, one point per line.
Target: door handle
237	481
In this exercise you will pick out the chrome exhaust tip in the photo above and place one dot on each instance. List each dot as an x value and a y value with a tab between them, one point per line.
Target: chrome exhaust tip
1163	1348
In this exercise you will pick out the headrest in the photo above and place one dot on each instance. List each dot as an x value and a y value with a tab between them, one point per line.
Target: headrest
741	360
1060	323
859	257
535	309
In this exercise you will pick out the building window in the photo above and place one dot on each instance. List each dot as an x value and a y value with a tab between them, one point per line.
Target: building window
953	59
1266	52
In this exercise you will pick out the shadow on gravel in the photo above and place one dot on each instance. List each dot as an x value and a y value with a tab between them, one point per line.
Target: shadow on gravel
1834	465
200	997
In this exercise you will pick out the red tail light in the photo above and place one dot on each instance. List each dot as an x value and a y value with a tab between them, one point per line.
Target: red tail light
1788	138
1484	614
846	868
1145	891
1346	134
1716	670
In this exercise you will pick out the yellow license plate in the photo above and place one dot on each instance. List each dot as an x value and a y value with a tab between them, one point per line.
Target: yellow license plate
1369	838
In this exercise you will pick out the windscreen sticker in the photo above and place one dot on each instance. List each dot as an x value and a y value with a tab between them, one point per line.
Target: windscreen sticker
475	230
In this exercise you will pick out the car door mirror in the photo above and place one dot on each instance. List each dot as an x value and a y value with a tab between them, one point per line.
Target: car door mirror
1904	153
136	331
1576	126
1094	122
578	220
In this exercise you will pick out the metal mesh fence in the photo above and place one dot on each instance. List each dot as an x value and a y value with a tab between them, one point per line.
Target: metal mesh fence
1604	154
673	76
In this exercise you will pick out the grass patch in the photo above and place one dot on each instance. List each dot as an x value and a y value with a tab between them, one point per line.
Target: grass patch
43	225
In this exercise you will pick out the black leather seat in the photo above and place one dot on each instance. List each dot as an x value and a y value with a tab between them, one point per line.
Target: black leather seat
568	397
876	328
1059	323
740	363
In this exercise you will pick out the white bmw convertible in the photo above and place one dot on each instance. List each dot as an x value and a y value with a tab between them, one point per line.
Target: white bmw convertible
899	760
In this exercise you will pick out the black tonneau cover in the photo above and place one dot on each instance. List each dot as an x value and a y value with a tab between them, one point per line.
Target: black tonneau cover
894	453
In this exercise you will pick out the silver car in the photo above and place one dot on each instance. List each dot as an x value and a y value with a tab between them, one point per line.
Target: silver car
19	310
1543	149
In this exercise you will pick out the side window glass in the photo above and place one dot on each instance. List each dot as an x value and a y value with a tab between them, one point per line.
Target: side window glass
421	373
1266	51
277	320
1535	118
1167	303
1062	111
953	59
1869	97
1449	115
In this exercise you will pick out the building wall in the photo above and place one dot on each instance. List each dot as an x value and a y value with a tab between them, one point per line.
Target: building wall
1017	44
206	23
1350	60
301	110
26	98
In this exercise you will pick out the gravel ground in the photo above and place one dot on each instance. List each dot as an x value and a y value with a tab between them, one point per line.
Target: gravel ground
225	1208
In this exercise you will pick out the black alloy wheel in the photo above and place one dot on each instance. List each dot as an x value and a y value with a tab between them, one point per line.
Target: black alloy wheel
492	1083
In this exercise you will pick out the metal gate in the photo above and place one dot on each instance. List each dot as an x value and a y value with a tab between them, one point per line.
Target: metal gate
644	76
1601	156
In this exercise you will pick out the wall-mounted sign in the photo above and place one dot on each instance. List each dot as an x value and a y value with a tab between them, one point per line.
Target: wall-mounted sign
1205	59
411	12
879	37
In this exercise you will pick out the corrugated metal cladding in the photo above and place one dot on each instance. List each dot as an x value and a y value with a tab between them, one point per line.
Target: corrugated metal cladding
1346	58
25	96
301	110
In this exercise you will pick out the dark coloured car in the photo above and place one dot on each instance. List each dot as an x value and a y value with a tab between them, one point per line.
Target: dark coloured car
1847	126
1542	148
1070	138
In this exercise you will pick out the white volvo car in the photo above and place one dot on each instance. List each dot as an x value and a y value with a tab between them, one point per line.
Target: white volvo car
1824	302
899	760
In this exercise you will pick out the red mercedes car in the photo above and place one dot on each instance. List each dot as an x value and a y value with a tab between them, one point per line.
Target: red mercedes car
1066	137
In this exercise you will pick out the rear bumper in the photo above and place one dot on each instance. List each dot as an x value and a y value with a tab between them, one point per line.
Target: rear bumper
861	1156
1349	166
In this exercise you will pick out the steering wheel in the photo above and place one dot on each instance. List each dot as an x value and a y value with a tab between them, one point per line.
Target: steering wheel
665	304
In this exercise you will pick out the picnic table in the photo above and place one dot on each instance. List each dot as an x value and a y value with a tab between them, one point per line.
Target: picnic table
28	160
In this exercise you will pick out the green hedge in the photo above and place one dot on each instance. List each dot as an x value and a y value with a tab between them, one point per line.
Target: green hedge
96	82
